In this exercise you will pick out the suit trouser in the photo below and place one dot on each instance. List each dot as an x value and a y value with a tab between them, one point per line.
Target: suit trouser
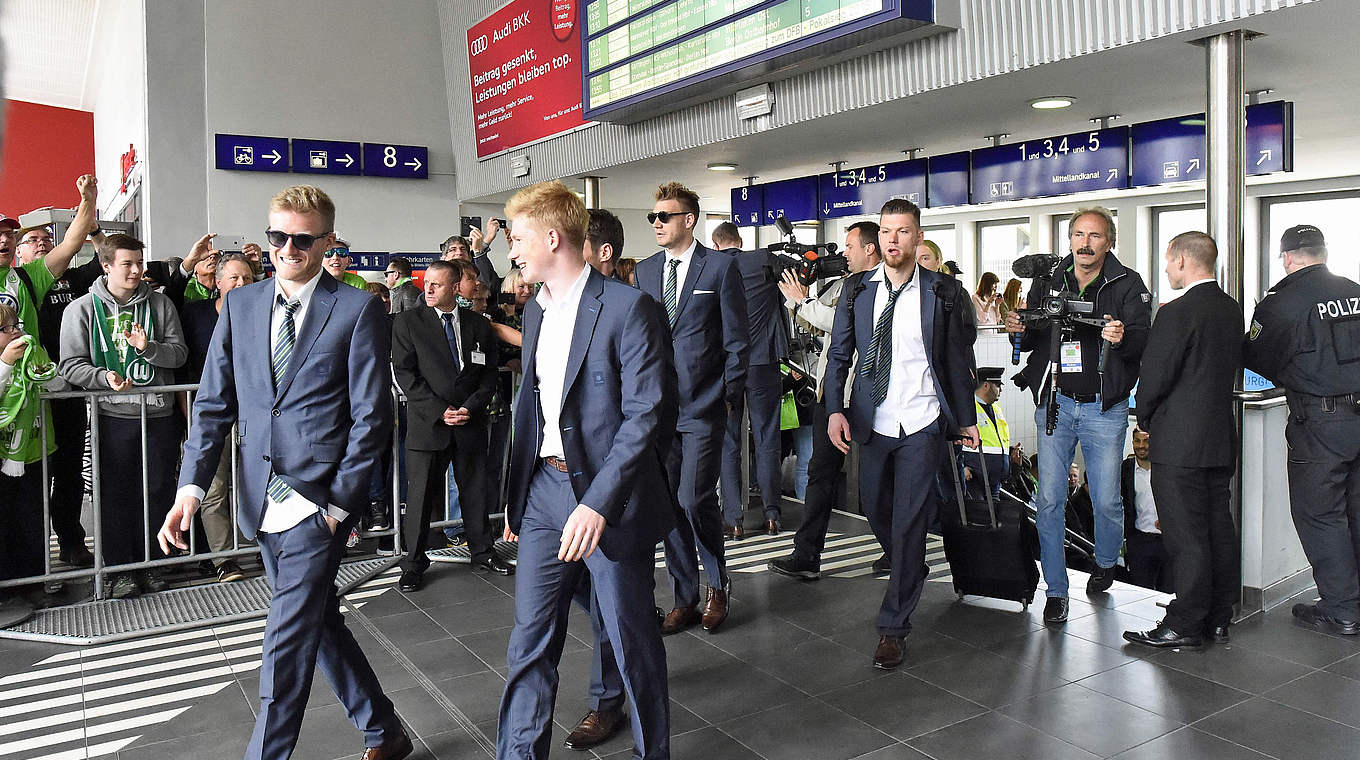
897	490
764	393
70	420
693	463
823	489
426	470
1324	497
1149	565
622	585
125	526
305	632
606	693
1201	542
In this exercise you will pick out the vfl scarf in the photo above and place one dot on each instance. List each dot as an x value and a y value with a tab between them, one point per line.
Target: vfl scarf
19	406
111	350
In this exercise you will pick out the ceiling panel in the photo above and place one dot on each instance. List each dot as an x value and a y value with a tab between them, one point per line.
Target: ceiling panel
47	49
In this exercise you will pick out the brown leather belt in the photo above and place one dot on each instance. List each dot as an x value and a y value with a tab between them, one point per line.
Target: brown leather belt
557	464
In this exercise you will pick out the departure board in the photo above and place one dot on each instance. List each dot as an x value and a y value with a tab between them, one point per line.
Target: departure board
637	47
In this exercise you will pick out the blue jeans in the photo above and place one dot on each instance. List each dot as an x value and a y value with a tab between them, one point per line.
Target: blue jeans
1101	435
455	510
802	446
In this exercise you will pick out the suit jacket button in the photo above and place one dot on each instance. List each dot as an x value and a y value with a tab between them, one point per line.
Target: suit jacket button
266	457
277	412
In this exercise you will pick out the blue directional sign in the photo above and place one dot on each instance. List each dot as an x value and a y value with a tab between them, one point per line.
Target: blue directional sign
1254	382
402	161
368	262
250	153
856	192
327	157
1172	150
418	260
947	180
748	205
1075	163
793	199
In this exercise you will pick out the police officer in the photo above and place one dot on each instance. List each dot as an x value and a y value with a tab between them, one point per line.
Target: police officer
993	431
1305	337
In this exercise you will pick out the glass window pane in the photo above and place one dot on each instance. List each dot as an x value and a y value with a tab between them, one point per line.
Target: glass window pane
942	235
999	244
1170	222
1343	253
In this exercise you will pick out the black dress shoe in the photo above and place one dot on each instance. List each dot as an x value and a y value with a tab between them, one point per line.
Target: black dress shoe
1055	610
882	565
1163	637
796	567
1216	633
597	727
411	580
77	556
1308	614
889	653
1101	580
493	563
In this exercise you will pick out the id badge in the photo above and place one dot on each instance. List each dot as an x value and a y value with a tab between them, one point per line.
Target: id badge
477	357
1071	357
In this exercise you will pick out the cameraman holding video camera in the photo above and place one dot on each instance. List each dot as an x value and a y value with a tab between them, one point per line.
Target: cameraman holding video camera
1093	386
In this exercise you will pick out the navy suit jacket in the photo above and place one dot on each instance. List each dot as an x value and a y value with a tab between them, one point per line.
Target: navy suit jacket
324	427
710	334
766	316
618	414
947	327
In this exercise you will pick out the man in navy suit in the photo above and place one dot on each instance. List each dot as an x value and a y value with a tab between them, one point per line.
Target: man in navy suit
701	292
299	364
913	332
596	406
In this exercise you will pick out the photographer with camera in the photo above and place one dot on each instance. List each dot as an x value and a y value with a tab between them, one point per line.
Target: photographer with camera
824	469
1095	368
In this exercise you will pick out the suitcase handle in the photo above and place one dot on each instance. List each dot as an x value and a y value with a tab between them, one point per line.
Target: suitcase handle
986	485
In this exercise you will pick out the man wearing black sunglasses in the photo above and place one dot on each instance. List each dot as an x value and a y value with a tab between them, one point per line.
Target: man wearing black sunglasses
313	415
701	292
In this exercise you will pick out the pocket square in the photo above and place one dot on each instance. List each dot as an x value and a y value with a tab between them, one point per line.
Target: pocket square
703	292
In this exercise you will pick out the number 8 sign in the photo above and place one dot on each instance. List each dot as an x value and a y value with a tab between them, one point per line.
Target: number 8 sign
402	161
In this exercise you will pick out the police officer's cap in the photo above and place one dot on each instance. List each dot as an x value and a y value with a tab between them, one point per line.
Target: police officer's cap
989	374
1302	236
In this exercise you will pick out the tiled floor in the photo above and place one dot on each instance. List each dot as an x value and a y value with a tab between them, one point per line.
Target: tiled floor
788	677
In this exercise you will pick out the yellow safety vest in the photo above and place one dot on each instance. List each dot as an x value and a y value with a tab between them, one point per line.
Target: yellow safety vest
996	439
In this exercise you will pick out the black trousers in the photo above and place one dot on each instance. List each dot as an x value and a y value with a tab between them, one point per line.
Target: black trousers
124	527
1324	497
426	470
1149	565
70	420
22	542
823	489
1201	543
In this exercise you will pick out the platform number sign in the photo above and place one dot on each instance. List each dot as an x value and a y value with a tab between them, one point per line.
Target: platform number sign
402	161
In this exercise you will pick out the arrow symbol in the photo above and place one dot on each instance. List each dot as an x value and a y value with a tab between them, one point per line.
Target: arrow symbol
273	155
414	164
1265	156
1113	174
1193	165
348	160
826	208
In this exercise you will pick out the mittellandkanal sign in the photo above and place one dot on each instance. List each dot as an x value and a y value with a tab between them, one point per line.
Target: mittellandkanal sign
525	71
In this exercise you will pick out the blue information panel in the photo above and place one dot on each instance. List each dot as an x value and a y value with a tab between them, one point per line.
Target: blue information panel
327	157
947	183
1075	163
402	161
856	192
418	260
1172	150
748	205
249	153
368	261
1254	382
793	199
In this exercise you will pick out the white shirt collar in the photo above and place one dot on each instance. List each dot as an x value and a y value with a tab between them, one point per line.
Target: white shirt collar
571	297
1199	282
693	244
880	275
303	294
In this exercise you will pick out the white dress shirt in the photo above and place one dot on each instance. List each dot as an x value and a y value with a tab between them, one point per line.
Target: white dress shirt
681	271
1145	506
550	359
457	331
911	404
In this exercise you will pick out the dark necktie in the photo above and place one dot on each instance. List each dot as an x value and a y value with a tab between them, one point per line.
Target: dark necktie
277	488
453	341
671	304
877	364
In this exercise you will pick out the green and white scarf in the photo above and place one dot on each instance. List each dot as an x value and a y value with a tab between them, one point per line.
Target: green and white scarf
111	350
19	406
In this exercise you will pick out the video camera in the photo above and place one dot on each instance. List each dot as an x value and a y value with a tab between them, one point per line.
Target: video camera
809	262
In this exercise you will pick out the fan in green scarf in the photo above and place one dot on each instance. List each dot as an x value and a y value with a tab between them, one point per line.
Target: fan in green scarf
111	349
20	442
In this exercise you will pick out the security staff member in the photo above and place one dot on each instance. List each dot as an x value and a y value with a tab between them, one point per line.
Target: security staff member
1305	337
993	432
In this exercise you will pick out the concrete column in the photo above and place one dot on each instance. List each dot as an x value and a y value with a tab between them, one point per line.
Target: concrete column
1225	183
593	192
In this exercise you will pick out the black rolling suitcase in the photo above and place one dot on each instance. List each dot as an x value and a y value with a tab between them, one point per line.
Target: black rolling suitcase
989	543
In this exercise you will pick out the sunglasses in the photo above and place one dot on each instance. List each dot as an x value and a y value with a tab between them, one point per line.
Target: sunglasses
665	216
301	241
343	252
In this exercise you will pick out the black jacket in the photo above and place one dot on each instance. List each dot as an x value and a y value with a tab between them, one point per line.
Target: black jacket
423	365
1120	292
1305	335
1185	400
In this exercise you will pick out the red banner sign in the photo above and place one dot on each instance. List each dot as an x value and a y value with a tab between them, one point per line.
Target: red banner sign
525	72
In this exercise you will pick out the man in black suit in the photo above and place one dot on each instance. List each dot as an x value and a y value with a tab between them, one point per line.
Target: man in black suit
768	323
596	407
444	359
913	333
1185	403
701	292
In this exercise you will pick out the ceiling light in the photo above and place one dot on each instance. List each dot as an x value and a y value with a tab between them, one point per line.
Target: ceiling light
1193	122
722	166
1052	102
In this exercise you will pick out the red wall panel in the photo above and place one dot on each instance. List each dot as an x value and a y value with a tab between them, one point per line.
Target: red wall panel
45	149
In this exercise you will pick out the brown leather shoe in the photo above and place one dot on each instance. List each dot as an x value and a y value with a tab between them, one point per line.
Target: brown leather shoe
772	527
888	655
734	532
679	619
715	609
393	749
597	727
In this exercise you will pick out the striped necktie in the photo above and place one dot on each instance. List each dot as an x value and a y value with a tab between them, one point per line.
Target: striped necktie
671	306
284	342
877	364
